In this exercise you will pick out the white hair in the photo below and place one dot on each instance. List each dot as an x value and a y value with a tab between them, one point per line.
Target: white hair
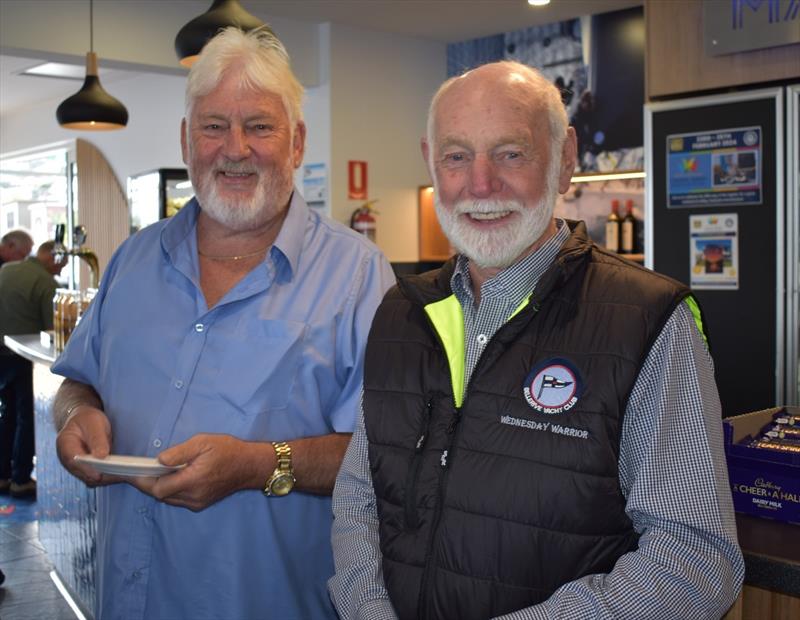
263	64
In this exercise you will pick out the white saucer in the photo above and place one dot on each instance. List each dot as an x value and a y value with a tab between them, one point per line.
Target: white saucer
121	465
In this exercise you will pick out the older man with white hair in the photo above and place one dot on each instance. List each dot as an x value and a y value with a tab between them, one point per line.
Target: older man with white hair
541	433
15	245
227	341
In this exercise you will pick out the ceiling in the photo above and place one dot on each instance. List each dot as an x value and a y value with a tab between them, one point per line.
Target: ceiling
443	20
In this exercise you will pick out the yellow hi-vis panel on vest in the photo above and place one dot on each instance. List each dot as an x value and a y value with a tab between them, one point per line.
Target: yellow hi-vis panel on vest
448	320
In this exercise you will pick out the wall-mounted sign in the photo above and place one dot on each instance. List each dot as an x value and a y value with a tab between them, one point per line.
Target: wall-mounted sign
738	25
709	169
714	251
357	180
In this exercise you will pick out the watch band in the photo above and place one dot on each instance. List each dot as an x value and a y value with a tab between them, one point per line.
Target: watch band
282	480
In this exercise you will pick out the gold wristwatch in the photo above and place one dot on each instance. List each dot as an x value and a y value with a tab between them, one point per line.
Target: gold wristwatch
282	480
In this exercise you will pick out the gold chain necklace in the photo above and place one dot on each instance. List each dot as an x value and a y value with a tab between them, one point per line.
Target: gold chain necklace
235	257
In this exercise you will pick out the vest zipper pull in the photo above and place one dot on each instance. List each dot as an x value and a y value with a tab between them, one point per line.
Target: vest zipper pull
423	436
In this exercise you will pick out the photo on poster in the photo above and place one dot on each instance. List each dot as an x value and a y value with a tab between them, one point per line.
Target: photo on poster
709	169
714	251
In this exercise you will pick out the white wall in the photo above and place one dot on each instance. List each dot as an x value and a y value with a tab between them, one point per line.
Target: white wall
381	86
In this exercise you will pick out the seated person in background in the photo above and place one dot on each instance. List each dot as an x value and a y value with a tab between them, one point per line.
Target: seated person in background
228	338
541	433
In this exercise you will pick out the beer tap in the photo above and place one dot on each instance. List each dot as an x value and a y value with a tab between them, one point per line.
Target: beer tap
78	249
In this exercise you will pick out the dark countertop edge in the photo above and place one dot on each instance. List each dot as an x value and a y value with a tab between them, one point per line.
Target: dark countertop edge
30	347
770	573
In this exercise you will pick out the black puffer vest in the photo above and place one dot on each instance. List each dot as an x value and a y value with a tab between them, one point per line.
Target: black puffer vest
489	507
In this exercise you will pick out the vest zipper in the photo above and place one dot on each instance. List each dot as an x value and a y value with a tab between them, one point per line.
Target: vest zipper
411	514
444	463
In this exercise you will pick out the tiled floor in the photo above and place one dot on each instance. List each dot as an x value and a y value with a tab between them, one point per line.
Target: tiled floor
28	592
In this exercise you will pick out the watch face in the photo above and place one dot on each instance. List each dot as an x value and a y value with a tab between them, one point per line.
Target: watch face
282	484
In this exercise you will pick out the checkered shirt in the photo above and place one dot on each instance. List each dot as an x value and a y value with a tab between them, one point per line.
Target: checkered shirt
672	473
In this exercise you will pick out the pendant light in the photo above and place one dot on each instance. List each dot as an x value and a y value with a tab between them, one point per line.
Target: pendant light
195	34
92	107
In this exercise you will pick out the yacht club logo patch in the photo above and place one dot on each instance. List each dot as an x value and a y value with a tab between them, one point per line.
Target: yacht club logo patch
554	386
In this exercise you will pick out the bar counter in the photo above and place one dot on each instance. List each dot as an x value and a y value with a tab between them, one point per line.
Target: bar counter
67	513
65	506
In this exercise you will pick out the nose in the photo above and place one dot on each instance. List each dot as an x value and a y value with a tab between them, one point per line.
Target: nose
236	145
483	179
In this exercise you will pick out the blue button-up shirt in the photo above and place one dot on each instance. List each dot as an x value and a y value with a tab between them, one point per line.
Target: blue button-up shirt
279	357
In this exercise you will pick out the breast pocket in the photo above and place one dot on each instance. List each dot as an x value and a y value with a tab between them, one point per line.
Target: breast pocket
258	374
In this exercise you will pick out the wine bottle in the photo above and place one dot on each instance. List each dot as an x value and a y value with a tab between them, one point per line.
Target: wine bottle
628	241
613	228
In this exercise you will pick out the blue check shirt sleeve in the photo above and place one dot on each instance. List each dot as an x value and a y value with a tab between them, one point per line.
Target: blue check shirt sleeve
357	589
674	477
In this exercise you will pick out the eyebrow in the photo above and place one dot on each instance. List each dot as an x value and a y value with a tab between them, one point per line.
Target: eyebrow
261	116
516	138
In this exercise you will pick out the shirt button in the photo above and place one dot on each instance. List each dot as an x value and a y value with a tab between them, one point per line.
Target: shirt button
179	384
199	327
136	574
157	443
482	339
142	510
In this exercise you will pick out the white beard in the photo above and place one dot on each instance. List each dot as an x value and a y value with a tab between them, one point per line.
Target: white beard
271	195
500	247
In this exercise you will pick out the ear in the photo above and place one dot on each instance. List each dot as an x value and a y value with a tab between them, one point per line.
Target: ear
569	156
299	144
184	143
426	150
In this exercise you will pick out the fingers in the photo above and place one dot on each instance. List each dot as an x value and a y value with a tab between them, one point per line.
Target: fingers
88	432
183	453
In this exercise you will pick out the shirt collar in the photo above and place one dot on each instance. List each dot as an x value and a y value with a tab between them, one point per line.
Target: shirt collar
288	244
517	280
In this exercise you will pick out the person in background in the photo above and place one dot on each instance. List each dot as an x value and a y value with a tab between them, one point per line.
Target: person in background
541	433
15	245
227	340
27	288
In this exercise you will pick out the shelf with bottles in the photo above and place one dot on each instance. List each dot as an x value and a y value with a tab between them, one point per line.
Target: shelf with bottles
590	198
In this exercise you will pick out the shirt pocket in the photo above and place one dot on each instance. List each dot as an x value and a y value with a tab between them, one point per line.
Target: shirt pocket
259	373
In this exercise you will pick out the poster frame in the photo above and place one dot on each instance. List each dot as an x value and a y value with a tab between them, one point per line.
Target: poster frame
777	95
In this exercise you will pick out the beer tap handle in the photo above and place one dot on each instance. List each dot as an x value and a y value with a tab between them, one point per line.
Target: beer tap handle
78	236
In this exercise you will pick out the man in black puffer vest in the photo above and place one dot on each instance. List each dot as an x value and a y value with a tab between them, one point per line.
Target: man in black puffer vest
541	431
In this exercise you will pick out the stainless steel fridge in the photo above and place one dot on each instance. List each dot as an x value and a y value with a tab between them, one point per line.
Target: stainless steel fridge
157	194
721	215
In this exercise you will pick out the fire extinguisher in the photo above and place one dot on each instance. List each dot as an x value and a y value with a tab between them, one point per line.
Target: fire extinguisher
363	220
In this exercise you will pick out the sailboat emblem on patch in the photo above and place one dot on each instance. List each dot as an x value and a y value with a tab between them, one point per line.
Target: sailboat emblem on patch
554	386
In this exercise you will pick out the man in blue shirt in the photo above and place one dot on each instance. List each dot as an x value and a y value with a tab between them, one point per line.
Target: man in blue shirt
230	339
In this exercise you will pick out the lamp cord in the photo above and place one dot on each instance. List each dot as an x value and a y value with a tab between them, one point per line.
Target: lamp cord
91	25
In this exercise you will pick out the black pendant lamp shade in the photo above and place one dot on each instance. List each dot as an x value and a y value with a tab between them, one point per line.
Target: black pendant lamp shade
194	35
92	107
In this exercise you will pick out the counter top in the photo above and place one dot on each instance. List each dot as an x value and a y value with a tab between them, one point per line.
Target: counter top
30	347
771	553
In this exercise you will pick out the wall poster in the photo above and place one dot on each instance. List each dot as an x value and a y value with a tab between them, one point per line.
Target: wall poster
714	251
708	169
315	187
